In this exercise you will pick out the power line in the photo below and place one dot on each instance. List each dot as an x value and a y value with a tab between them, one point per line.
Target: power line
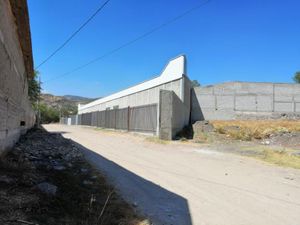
74	34
132	41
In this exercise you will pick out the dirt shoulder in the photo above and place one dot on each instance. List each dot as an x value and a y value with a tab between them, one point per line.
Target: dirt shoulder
46	180
273	141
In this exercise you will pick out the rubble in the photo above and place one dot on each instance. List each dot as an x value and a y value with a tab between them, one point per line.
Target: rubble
47	188
6	179
284	139
45	175
41	151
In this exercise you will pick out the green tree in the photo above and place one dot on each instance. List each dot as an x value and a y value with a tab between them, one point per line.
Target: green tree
195	83
34	88
48	114
297	77
68	109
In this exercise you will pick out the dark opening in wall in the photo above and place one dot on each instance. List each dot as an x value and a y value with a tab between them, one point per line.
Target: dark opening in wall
22	123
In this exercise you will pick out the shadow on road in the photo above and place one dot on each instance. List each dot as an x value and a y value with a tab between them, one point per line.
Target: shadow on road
155	202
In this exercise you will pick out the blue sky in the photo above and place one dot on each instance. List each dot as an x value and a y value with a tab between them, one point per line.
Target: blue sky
226	40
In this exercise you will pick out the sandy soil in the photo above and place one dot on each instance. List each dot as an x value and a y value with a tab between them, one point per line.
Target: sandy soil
182	184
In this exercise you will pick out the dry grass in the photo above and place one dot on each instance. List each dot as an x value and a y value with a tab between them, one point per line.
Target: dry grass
285	157
254	129
106	130
156	140
281	158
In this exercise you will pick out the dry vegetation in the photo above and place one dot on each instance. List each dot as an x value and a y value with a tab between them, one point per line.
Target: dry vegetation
156	140
273	141
281	158
255	129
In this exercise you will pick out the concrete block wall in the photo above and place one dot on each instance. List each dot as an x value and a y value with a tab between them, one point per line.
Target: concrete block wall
16	114
246	100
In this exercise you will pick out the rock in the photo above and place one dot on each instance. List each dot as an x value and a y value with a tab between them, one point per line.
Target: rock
47	188
59	167
87	182
266	142
296	153
84	170
203	126
6	179
201	129
94	177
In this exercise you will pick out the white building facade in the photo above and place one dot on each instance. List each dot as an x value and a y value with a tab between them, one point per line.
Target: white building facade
172	78
162	103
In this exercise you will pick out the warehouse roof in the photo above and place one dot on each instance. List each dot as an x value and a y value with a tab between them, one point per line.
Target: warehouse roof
174	70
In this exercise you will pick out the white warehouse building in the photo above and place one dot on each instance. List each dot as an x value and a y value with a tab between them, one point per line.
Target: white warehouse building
166	104
148	106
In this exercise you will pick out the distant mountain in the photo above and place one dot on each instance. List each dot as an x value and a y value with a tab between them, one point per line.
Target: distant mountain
78	98
67	104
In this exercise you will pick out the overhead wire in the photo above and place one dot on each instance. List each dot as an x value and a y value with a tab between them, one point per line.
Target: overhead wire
174	19
73	34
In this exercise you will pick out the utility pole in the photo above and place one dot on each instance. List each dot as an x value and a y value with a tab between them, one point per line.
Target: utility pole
38	104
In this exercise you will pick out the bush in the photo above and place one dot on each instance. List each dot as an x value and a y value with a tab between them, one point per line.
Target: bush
34	88
48	114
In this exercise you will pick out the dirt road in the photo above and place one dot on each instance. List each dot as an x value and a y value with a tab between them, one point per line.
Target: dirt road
183	185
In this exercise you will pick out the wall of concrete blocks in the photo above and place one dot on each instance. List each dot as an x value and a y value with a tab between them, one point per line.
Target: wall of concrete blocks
16	114
246	100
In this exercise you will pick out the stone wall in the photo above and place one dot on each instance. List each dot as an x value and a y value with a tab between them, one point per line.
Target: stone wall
16	114
246	100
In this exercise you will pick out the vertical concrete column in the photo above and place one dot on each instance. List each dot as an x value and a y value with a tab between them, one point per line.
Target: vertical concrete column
165	112
128	118
174	115
182	89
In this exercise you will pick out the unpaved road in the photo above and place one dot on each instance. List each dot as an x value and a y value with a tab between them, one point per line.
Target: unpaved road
183	185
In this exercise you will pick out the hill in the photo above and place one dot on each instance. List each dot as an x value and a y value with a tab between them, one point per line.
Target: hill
78	98
66	105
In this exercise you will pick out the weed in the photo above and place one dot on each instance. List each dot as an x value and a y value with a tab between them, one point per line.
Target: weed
156	140
255	129
281	158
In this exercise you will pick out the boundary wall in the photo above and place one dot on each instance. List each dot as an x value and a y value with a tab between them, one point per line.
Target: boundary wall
246	100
